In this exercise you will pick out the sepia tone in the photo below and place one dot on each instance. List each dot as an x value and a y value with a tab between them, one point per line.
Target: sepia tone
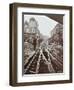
14	39
42	55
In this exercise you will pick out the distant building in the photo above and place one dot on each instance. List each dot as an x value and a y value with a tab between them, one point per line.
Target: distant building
57	29
57	35
31	36
26	27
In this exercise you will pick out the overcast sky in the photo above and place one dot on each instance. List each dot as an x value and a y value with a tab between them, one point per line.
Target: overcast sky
45	24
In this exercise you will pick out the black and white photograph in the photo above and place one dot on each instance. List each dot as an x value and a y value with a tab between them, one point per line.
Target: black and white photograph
43	43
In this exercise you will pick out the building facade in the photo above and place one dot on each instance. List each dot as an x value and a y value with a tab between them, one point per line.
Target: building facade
31	37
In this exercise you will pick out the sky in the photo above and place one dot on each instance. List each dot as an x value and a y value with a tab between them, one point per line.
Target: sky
45	24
